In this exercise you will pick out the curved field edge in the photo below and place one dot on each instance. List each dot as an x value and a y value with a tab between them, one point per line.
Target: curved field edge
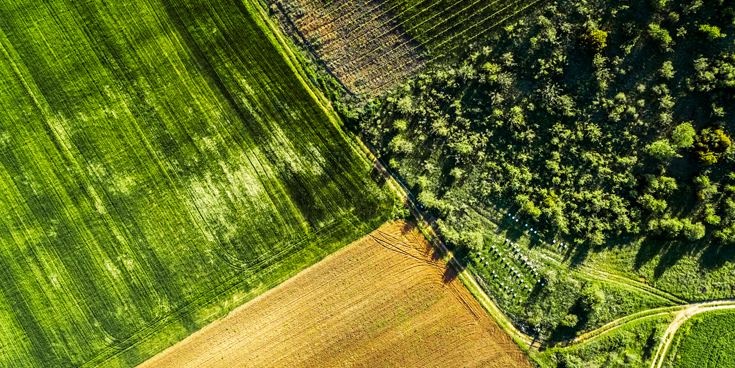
55	167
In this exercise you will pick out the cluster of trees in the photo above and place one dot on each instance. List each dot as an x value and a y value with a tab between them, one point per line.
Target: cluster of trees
595	119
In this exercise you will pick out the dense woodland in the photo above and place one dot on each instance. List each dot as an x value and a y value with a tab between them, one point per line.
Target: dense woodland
595	120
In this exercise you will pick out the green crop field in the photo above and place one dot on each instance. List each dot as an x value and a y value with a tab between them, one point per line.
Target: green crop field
705	341
161	162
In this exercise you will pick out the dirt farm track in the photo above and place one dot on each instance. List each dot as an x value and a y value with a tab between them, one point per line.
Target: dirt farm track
383	301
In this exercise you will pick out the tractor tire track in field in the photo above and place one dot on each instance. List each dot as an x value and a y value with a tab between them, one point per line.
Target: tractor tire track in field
393	245
382	301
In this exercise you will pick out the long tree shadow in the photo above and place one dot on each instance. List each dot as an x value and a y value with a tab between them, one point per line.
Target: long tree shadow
562	332
669	252
715	256
455	266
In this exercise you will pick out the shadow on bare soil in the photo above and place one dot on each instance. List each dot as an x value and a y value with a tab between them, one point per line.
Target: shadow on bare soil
450	273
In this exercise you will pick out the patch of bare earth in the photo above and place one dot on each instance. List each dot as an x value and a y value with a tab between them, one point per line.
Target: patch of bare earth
362	42
384	301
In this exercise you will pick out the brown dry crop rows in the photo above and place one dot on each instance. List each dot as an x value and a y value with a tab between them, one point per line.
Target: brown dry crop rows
348	29
386	300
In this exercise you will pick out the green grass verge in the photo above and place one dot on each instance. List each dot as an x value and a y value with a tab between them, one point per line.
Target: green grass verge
631	345
693	272
161	162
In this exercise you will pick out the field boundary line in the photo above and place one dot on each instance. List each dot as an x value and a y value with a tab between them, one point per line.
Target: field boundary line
292	60
523	340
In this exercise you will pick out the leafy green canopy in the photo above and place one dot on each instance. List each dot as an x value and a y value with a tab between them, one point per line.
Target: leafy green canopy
161	162
590	118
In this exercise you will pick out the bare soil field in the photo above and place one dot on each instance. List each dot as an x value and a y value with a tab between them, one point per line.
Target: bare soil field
386	300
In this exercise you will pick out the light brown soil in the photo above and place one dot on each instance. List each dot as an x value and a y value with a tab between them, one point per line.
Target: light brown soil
384	301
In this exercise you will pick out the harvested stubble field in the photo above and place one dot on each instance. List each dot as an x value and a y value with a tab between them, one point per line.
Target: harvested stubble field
161	162
385	300
372	45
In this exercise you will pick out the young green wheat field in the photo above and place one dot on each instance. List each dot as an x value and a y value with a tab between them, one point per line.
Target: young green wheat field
161	162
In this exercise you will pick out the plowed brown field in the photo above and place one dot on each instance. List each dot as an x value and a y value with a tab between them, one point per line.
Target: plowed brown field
384	301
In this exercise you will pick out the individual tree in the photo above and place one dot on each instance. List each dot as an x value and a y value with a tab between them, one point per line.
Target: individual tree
707	158
661	149
659	4
652	204
517	119
683	135
473	240
399	144
570	320
667	70
400	125
492	70
671	226
705	189
666	185
661	35
693	231
712	32
405	105
595	40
